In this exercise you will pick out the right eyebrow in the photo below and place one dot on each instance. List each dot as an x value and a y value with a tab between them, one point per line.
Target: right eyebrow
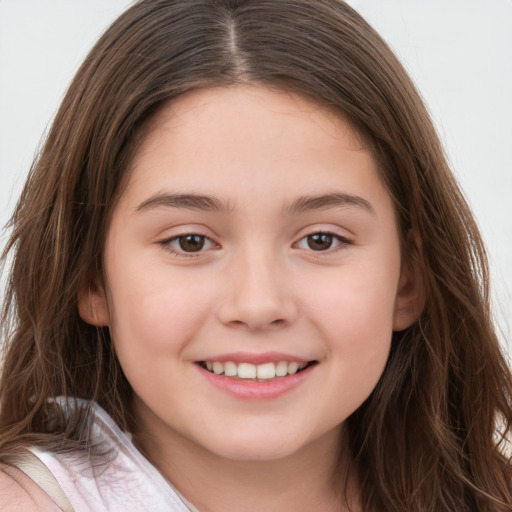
329	200
188	201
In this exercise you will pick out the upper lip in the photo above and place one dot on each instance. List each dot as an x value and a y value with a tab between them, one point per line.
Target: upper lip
256	358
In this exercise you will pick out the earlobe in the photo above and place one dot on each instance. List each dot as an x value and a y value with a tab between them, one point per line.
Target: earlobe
410	297
92	304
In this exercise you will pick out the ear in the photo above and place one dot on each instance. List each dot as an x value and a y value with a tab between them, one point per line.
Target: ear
410	297
92	304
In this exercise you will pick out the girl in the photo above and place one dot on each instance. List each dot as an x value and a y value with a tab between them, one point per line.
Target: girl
244	278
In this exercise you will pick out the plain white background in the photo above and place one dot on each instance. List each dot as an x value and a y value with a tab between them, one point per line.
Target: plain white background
459	52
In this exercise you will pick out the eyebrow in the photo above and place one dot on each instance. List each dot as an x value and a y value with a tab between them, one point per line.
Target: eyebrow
300	205
325	201
187	201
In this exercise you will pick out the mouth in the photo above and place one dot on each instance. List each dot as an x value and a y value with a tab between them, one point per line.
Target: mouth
256	372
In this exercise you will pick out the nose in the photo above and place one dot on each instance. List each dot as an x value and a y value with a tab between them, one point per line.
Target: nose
257	295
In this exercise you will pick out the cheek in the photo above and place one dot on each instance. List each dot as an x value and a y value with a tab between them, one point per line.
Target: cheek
155	313
353	311
355	301
354	320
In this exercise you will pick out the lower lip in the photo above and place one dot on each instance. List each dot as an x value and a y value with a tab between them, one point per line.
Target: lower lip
256	390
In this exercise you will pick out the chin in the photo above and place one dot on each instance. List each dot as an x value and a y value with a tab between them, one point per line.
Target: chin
257	447
256	453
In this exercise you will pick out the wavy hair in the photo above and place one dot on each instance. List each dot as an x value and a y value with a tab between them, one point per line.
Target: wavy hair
433	434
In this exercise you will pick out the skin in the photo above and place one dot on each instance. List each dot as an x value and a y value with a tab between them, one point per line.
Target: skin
18	492
256	286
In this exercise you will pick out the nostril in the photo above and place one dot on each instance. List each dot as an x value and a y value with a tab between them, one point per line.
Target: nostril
280	322
237	323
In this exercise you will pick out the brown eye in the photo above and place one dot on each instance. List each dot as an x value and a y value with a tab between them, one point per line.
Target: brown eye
191	243
323	242
320	241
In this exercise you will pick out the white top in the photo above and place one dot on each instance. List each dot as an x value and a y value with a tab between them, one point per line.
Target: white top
118	479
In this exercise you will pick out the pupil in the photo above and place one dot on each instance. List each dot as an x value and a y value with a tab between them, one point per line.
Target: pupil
191	243
320	241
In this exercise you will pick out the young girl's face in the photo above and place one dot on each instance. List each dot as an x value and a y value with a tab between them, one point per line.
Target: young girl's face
256	238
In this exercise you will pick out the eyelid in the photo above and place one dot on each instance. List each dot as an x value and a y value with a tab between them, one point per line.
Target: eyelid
166	244
343	241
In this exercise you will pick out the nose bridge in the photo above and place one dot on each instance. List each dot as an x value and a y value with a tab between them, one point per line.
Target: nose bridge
258	295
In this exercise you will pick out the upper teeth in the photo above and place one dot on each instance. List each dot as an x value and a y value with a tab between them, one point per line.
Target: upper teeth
253	371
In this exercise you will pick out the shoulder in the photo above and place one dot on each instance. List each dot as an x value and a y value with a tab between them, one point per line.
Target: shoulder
18	492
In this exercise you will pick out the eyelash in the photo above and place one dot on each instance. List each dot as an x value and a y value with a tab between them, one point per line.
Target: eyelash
341	242
167	244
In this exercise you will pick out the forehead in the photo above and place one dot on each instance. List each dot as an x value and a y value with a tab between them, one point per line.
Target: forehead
256	113
245	141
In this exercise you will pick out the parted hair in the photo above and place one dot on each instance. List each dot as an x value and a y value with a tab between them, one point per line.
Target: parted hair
433	435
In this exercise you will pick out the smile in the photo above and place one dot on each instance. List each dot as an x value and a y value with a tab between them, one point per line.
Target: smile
265	371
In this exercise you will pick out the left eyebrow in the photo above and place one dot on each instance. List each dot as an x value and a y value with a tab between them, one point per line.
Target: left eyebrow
187	201
326	201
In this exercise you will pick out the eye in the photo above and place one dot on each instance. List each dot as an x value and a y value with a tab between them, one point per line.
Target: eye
187	244
322	241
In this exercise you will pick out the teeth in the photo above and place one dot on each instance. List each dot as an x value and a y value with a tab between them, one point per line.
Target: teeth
252	371
282	369
292	368
247	371
218	368
266	371
230	369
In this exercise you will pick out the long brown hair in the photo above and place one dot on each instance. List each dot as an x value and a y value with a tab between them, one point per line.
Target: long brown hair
432	436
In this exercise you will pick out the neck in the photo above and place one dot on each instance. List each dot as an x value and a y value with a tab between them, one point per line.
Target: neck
316	477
